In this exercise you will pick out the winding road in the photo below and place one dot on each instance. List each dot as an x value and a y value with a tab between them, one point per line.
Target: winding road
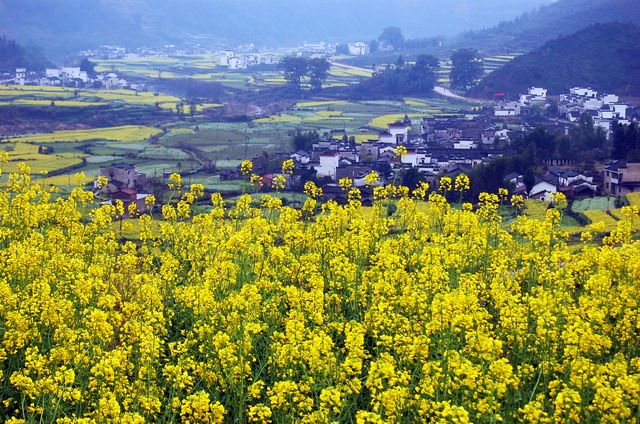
443	91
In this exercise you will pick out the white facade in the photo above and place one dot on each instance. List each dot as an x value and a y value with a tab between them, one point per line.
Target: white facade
53	72
534	95
507	109
410	158
538	92
592	104
21	76
225	56
113	82
400	134
606	114
620	110
610	99
329	162
269	59
236	63
358	49
584	92
465	144
543	191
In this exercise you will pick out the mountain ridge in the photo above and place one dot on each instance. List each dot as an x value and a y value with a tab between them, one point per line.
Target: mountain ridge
563	17
602	56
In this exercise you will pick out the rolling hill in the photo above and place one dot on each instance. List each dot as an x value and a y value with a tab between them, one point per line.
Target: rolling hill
603	56
564	17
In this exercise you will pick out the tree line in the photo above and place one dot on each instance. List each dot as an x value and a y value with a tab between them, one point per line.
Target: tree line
296	69
401	79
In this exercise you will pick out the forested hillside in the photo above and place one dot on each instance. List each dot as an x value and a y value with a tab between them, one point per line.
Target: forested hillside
13	55
560	18
602	56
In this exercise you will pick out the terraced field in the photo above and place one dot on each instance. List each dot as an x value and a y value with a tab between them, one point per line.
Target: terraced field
207	68
38	162
123	133
599	212
491	63
42	96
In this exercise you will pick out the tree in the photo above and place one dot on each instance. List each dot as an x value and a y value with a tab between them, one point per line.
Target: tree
88	66
294	69
392	36
466	69
411	177
626	141
305	140
426	62
405	79
373	46
318	70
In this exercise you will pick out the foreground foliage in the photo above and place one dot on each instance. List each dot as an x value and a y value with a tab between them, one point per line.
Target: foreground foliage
275	314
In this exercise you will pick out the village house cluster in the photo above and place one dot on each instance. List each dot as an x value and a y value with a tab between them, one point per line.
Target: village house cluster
452	145
65	77
434	146
604	109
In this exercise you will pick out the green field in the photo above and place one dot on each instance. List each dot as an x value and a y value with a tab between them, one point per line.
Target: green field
601	203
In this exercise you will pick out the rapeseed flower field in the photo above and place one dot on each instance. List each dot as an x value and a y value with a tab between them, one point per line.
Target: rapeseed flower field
328	313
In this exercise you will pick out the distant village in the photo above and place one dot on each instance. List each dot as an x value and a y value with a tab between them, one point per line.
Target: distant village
68	77
242	57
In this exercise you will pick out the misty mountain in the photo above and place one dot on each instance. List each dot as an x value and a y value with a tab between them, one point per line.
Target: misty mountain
602	56
13	55
68	25
564	17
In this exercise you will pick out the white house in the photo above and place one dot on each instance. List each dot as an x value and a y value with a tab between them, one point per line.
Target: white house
538	92
111	81
358	49
53	73
301	157
620	110
235	63
411	157
465	143
592	104
21	76
543	189
225	56
399	131
269	59
606	113
252	59
609	99
584	92
534	95
507	109
329	162
73	73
